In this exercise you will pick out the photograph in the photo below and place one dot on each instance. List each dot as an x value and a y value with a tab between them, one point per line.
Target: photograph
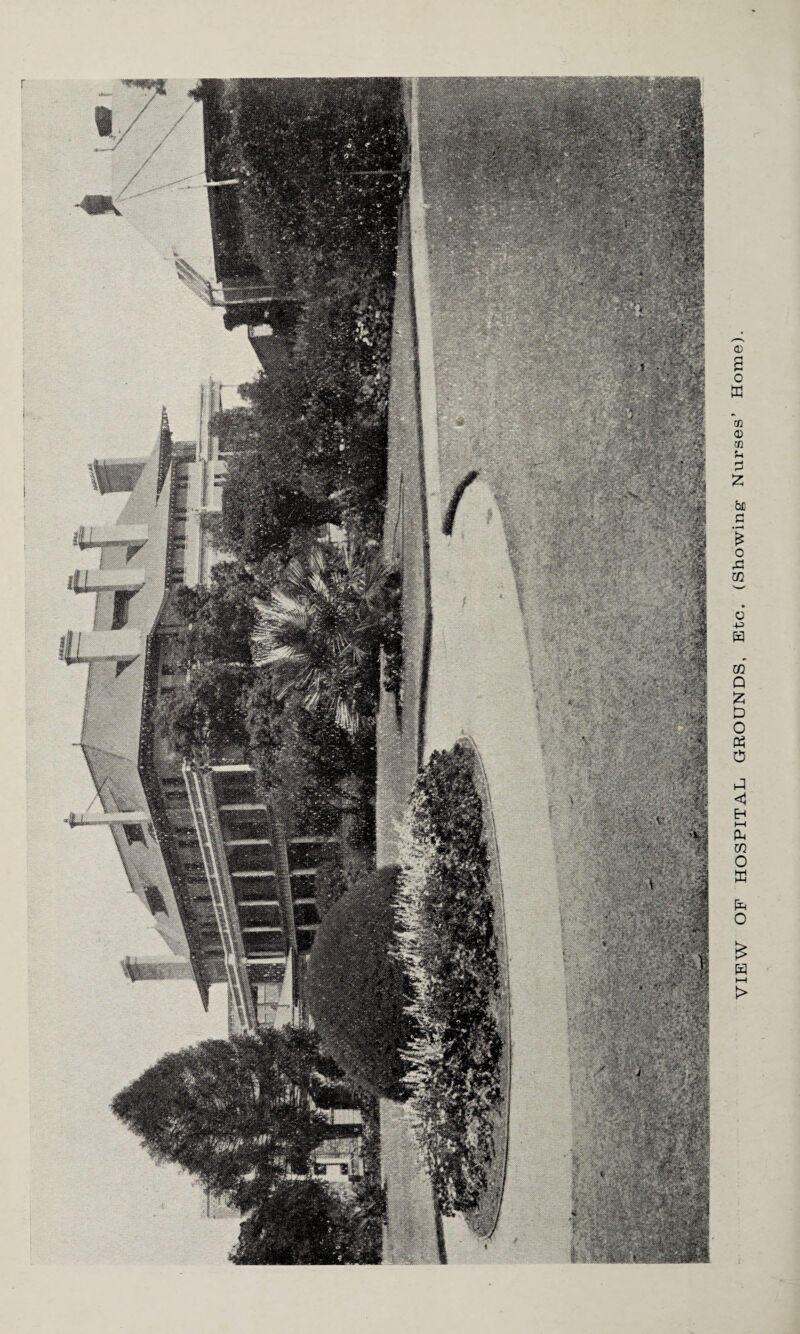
366	670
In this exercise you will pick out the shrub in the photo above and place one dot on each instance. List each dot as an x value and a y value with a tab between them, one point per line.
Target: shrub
313	151
219	616
393	639
355	986
321	164
305	1222
260	516
446	943
313	771
339	870
330	882
321	630
204	715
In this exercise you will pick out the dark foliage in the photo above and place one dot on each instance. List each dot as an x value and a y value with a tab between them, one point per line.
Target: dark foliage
321	164
314	153
338	871
355	985
260	513
263	718
224	1110
219	617
203	717
454	1070
304	761
330	882
304	1223
156	85
456	902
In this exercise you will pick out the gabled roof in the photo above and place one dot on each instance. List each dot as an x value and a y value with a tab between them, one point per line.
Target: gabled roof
157	152
116	731
112	712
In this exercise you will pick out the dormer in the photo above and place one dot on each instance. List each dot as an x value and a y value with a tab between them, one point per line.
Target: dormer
115	474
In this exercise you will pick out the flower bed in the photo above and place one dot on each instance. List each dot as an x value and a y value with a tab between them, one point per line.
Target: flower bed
446	941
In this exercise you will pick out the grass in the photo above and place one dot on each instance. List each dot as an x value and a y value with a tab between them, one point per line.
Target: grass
564	227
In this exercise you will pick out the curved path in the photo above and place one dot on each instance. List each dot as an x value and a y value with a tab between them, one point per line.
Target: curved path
480	685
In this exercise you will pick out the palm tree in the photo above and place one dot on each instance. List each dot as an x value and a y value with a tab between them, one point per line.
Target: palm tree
321	631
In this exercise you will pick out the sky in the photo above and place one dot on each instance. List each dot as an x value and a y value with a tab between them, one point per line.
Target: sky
110	335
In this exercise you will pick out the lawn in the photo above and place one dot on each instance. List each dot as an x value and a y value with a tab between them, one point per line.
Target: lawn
564	231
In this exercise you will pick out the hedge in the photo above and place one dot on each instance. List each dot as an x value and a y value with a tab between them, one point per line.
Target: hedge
355	986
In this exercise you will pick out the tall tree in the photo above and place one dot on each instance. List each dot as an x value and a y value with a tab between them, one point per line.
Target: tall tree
260	513
219	617
157	85
227	1111
203	717
305	761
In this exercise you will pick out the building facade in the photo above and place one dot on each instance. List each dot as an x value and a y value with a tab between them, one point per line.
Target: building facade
230	894
163	148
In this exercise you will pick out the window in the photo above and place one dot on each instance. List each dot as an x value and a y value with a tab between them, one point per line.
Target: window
134	833
305	939
155	899
265	1000
121	603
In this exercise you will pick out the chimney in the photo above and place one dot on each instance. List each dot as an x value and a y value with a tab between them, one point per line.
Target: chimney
100	646
103	581
94	818
110	535
157	968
